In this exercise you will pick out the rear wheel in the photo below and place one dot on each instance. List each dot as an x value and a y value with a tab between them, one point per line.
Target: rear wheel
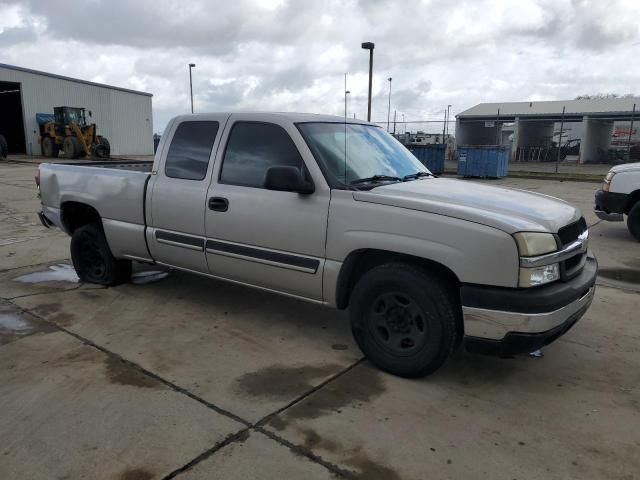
404	319
71	147
93	260
633	221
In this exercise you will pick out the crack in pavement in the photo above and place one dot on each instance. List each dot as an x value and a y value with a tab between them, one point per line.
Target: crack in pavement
237	436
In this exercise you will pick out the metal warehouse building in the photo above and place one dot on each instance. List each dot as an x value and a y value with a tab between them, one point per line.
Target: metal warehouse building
121	115
535	124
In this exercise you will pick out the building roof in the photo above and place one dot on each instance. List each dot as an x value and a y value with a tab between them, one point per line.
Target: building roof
70	79
614	108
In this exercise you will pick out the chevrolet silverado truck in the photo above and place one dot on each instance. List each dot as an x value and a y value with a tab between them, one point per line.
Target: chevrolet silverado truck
339	213
619	196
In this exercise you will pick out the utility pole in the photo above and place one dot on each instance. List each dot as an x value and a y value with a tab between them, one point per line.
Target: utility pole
191	65
369	46
444	125
448	118
346	92
560	139
394	122
389	107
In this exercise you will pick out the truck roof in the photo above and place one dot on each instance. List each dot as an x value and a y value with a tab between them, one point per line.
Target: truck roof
293	116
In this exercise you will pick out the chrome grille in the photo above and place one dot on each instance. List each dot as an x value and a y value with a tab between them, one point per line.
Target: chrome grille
567	235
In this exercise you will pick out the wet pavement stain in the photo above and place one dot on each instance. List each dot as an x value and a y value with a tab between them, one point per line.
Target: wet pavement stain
620	274
136	474
314	441
339	346
349	390
119	372
370	469
280	382
14	325
53	313
55	273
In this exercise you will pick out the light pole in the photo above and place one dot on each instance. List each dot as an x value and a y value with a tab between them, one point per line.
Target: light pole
389	107
191	65
448	118
346	93
369	46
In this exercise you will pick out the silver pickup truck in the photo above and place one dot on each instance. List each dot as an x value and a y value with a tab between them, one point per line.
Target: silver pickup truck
340	214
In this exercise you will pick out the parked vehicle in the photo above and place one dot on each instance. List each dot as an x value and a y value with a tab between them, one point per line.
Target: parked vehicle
340	214
70	132
620	195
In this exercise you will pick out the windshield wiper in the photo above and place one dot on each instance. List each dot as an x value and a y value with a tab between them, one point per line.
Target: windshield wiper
376	178
413	176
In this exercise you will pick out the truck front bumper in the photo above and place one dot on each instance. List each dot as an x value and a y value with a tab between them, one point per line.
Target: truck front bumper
610	205
504	322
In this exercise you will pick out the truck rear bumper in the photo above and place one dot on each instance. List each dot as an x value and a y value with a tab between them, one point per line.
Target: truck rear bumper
50	217
528	318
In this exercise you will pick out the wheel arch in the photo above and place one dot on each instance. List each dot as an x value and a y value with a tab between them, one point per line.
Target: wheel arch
632	199
359	262
74	215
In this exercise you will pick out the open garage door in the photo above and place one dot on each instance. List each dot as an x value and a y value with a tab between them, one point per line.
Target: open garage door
11	116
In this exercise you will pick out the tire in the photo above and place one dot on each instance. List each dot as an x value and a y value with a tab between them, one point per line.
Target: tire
633	221
71	147
93	260
4	148
404	319
104	148
49	147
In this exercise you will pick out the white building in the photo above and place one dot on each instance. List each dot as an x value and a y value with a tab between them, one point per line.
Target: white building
123	116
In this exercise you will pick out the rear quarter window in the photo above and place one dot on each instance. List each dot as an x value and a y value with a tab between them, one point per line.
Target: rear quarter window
190	150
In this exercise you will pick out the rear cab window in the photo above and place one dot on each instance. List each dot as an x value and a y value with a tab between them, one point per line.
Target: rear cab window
190	150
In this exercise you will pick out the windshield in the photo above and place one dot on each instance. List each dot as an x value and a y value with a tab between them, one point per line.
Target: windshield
370	151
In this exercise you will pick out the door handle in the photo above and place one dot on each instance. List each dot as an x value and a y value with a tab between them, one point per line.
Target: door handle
218	204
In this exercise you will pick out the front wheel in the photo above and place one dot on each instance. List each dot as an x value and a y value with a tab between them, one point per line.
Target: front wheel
93	260
633	221
404	319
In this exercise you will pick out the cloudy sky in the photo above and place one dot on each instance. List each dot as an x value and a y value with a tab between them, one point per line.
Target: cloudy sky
291	55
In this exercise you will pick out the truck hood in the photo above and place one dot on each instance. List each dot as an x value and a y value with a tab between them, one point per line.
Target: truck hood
507	209
626	167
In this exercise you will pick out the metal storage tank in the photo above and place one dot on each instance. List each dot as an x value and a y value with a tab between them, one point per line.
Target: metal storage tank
431	156
123	116
482	161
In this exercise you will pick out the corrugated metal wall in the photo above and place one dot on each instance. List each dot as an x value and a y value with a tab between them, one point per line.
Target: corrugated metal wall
123	117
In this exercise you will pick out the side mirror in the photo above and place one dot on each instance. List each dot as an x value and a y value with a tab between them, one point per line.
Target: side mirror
287	179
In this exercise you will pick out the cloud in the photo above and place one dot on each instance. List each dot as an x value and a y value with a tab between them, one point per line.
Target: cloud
292	55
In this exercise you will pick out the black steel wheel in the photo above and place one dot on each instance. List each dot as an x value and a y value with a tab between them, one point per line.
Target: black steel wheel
93	260
397	323
405	319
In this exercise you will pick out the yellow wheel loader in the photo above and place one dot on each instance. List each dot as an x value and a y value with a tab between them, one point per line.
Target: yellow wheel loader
70	133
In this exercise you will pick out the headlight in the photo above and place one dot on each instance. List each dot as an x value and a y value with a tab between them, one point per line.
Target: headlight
531	244
530	277
607	181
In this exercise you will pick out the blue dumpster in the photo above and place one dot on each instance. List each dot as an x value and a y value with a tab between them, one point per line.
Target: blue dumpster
431	156
483	161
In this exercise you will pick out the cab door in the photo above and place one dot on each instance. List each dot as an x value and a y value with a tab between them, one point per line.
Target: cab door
271	239
178	197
